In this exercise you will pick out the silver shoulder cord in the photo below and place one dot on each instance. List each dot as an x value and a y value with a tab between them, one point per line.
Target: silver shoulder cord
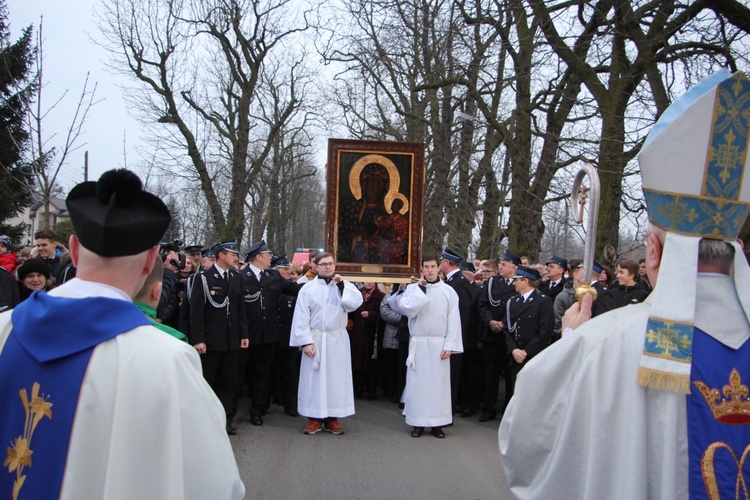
210	299
493	302
252	298
189	287
511	327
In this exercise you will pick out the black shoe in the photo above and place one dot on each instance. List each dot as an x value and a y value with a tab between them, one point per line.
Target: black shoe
256	420
231	431
401	406
291	411
417	432
487	416
438	432
467	413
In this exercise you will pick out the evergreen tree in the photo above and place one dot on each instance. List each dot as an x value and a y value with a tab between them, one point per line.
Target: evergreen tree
16	61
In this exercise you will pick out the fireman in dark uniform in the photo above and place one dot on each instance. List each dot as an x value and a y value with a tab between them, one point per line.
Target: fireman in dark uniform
218	325
497	291
556	267
530	321
286	360
262	288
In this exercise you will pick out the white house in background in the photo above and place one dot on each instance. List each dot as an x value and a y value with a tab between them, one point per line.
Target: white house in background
32	216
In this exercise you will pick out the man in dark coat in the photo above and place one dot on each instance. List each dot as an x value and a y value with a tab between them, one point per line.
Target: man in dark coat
556	267
530	321
286	359
450	265
262	288
218	325
497	291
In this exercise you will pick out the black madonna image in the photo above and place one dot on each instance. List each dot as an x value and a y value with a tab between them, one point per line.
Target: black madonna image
374	209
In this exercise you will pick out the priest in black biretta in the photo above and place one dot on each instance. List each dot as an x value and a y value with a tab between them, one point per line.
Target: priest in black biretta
115	217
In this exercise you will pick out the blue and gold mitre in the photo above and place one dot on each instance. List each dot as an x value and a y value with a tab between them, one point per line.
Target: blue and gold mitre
694	160
693	164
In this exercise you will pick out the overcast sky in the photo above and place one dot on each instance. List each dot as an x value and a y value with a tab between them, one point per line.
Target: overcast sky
69	54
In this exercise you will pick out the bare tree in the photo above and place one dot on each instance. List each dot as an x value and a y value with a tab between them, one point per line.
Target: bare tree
200	64
635	43
48	154
393	53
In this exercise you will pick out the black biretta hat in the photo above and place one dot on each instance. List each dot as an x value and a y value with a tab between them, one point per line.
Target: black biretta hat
114	216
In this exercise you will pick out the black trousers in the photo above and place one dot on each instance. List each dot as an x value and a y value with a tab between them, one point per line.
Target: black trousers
403	353
260	358
510	380
456	361
285	376
472	374
220	371
388	367
495	359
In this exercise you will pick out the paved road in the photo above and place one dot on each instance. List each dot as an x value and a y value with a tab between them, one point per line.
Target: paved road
375	459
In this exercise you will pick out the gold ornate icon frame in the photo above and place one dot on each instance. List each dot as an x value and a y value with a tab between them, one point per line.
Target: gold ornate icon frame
374	208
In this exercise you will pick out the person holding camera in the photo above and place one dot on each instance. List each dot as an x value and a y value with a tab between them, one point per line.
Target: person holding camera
169	303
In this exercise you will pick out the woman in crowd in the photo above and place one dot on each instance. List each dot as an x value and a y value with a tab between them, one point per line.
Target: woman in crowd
33	275
628	289
295	272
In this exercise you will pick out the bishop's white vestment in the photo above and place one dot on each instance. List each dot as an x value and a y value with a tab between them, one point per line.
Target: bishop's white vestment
434	326
145	424
580	427
320	317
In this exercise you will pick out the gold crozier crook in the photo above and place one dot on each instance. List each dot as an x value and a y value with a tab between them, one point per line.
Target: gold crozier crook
578	199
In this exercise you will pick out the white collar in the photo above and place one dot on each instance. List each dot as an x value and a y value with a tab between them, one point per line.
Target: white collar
86	288
448	276
255	271
222	272
718	310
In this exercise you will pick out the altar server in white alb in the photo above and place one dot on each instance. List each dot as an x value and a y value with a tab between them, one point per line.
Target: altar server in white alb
651	400
96	402
326	391
435	328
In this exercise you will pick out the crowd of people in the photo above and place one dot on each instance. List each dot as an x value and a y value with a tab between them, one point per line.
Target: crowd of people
626	405
483	319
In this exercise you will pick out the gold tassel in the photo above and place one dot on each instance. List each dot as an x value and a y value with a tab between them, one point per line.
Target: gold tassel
663	381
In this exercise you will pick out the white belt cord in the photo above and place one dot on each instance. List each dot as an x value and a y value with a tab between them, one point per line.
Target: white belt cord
316	340
410	361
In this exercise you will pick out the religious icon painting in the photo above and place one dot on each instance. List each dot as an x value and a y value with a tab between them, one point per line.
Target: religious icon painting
374	205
